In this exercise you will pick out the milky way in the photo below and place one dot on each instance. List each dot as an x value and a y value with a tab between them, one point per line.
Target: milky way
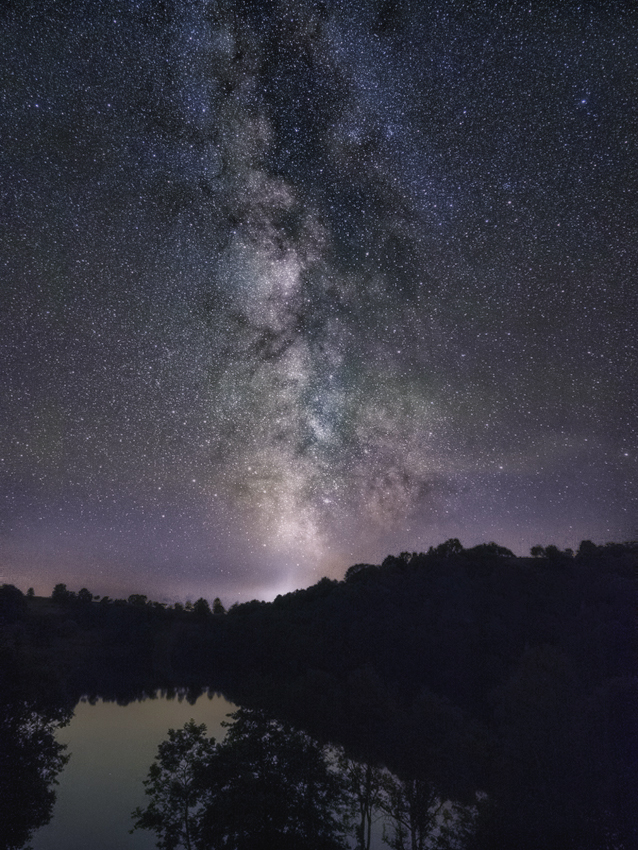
288	286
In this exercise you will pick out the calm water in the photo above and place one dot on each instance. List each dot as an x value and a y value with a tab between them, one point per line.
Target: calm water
112	748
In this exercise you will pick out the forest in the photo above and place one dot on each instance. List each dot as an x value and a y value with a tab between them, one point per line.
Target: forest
489	680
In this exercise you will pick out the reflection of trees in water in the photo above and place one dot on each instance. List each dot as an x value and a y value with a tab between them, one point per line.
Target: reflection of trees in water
365	785
265	786
467	668
271	786
176	787
414	816
417	818
30	761
268	785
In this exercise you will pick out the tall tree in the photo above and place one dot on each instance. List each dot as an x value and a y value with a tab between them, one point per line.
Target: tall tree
176	788
365	787
272	787
265	786
418	818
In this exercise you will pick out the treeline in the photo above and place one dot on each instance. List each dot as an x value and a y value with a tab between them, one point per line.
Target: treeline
63	596
468	669
268	785
474	670
74	643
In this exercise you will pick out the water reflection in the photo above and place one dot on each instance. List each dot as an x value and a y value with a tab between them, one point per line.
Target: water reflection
30	761
265	786
223	777
269	786
111	746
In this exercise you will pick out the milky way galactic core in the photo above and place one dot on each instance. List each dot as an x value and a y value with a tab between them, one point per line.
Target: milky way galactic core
288	286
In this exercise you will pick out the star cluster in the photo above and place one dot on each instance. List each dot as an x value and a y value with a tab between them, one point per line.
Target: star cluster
287	286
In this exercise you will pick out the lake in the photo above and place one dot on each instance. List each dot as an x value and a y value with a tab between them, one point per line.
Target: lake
112	747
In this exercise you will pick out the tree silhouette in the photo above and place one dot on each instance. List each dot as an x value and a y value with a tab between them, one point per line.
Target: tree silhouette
176	788
365	786
265	786
418	818
201	608
30	761
61	595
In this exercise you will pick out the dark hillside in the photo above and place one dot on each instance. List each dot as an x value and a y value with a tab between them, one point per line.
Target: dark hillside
514	675
470	669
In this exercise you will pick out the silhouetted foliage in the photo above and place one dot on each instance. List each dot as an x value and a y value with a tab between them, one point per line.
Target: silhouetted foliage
13	605
365	785
488	551
265	786
358	571
30	760
201	608
417	818
138	599
448	549
467	669
85	596
61	595
177	789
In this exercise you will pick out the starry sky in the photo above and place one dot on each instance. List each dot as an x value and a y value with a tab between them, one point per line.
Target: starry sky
287	286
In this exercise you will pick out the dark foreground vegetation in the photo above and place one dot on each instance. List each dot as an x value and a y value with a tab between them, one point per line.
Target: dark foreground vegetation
464	670
269	786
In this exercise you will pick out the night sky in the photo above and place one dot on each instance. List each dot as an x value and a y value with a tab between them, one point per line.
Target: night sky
287	286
